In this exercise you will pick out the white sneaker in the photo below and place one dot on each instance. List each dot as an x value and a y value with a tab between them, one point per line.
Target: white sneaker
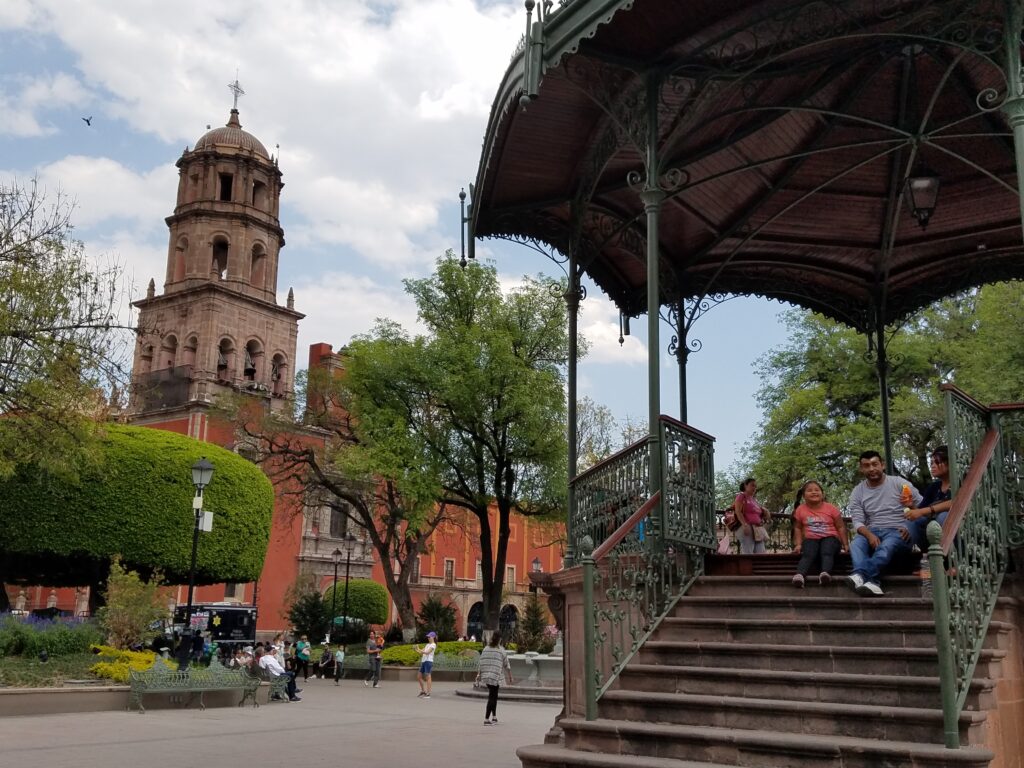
798	581
870	589
855	581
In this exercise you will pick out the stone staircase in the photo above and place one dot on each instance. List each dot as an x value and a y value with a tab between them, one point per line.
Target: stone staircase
752	672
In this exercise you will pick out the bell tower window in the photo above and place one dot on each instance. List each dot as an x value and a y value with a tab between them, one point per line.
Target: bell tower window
225	358
168	351
226	180
258	270
278	368
259	195
180	257
253	356
220	258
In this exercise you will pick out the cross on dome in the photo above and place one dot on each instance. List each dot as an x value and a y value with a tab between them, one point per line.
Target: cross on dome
236	89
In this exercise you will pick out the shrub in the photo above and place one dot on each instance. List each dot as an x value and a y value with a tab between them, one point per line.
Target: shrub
367	600
134	607
310	616
406	656
532	634
116	664
434	614
28	636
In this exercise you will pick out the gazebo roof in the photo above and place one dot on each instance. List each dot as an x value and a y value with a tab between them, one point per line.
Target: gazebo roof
785	134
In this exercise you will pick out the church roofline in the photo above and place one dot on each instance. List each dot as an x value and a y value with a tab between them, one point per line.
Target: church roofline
192	291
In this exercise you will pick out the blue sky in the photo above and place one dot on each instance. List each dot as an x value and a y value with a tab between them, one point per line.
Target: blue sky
379	109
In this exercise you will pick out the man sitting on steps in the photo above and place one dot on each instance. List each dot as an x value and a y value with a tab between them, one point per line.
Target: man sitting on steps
876	506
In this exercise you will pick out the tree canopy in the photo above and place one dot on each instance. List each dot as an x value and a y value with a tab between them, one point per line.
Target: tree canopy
58	358
821	402
134	500
477	400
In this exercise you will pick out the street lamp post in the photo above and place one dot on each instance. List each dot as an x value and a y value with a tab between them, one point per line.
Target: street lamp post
202	472
350	540
336	557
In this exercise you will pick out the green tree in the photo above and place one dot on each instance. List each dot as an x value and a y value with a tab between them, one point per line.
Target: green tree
133	607
310	615
367	600
479	398
437	615
58	328
820	396
531	633
376	478
134	500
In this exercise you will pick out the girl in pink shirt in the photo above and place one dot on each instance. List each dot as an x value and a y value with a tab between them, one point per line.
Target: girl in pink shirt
818	534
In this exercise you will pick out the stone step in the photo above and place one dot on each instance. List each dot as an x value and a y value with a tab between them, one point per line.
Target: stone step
867	721
751	586
841	659
553	756
807	603
757	748
800	632
887	690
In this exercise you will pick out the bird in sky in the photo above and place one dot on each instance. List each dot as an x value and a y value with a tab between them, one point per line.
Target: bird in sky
88	120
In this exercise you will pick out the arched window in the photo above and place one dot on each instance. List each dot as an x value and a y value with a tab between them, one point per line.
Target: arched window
219	265
278	375
508	618
339	523
180	259
258	269
225	360
168	351
188	351
253	360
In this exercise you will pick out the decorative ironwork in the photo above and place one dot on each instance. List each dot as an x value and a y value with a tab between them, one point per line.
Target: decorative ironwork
688	485
975	551
609	492
1011	448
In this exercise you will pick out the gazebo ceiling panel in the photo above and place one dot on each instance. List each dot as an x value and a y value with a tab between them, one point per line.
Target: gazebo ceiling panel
791	128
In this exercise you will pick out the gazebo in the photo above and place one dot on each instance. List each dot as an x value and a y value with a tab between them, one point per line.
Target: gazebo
860	158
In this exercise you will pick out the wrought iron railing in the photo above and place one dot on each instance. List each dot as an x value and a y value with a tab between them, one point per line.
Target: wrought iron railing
1010	421
639	552
688	484
968	555
630	583
608	493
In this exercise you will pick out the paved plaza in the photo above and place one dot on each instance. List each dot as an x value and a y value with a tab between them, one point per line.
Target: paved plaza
348	725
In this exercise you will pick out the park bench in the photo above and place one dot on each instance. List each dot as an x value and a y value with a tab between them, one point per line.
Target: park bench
278	683
160	678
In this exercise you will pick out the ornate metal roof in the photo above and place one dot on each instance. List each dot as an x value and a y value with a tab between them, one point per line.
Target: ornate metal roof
784	133
231	135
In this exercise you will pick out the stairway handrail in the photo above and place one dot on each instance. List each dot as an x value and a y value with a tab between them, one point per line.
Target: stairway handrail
634	446
623	530
969	487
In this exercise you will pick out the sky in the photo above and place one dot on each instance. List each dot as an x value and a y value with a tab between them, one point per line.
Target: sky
376	110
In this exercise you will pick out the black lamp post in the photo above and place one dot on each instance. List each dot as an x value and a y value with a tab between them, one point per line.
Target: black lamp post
921	194
202	472
336	557
350	540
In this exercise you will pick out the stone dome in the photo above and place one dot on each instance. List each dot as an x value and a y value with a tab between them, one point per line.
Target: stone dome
231	135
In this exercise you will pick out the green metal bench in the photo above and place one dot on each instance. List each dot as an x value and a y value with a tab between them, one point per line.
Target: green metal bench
278	684
195	680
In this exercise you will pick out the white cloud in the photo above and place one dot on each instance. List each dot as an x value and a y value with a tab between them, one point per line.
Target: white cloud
599	323
340	305
378	113
23	98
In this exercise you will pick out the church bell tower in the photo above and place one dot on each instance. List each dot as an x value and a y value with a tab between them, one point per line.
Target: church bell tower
217	327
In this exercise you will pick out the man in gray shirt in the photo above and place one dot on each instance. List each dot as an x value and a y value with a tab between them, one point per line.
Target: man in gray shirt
876	506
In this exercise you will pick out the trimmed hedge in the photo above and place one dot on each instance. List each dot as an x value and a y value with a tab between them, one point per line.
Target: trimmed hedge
367	600
28	636
406	656
136	501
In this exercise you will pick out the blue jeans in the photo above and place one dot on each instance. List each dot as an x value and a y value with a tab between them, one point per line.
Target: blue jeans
871	564
919	527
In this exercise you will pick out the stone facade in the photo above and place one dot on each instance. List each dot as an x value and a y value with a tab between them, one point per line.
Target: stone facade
217	326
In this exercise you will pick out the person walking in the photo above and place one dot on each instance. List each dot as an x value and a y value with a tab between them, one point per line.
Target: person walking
339	663
494	667
303	652
426	664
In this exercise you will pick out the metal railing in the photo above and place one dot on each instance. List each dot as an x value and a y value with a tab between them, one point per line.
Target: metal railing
639	552
969	554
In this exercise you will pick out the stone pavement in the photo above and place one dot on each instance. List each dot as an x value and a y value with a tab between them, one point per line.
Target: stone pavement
348	725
